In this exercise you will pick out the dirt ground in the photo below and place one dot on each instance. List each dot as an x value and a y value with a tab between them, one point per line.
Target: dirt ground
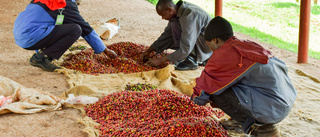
139	23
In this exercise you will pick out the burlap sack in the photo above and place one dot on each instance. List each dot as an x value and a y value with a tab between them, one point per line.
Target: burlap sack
26	100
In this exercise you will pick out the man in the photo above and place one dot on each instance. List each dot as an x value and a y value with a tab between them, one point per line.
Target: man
245	81
51	27
184	33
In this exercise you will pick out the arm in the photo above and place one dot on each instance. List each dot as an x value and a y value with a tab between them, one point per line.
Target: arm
165	41
72	15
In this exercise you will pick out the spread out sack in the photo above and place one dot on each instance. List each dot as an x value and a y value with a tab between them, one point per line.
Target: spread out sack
26	100
82	99
108	29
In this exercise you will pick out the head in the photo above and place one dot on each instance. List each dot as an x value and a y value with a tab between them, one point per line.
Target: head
166	9
217	32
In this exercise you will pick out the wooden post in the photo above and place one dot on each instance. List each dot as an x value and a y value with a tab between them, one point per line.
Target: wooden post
218	8
304	26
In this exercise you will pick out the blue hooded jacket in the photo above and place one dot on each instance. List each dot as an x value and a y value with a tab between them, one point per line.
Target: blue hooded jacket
37	21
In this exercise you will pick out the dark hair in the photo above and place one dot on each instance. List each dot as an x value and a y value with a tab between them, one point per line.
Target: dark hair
218	28
225	37
164	4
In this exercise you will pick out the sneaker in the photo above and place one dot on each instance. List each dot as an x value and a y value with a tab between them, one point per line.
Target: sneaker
187	64
42	62
269	130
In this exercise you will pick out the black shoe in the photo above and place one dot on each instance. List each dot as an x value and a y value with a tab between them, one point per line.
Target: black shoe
187	64
42	62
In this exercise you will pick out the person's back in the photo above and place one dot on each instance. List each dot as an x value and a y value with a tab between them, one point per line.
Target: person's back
266	82
195	29
244	80
32	25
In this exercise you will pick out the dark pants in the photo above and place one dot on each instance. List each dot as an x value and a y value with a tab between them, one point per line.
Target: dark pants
228	102
59	40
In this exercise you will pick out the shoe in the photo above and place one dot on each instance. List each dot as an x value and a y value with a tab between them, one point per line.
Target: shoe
231	124
187	64
269	130
43	62
203	63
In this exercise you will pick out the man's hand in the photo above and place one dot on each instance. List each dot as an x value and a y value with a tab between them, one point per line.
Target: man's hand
157	62
110	53
144	56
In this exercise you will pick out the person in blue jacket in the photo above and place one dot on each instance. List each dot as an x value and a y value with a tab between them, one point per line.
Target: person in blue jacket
50	27
244	80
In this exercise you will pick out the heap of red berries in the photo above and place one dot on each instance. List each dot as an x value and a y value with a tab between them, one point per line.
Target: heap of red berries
153	113
128	61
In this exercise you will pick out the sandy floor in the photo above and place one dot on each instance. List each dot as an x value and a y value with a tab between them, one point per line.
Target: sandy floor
140	24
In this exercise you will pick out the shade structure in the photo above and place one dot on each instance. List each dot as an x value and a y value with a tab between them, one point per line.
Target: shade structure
304	26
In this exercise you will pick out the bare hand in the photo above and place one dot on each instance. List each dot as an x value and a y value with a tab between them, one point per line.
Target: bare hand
110	53
155	62
144	56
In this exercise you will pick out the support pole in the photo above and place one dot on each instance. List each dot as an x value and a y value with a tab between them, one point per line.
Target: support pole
218	8
304	26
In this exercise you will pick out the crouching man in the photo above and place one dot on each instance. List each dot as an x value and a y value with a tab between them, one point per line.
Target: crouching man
245	81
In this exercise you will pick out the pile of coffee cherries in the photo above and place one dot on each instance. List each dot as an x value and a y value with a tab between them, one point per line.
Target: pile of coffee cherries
140	87
128	61
78	47
153	113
